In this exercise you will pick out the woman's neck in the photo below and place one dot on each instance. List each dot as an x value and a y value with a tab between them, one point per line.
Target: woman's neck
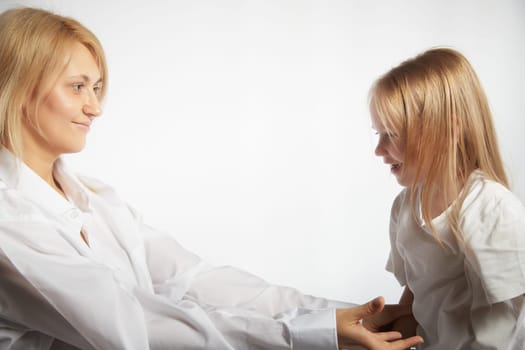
44	168
42	164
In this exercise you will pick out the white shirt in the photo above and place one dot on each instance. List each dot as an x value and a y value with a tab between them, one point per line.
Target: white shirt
132	287
464	297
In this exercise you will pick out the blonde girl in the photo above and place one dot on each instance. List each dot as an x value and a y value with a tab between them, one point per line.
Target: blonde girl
457	233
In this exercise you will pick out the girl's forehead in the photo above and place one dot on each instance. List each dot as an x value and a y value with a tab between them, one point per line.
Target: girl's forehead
376	122
379	122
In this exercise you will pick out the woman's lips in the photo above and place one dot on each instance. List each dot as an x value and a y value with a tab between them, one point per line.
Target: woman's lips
83	125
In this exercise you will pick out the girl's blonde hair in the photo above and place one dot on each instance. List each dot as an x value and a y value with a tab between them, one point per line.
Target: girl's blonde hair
436	104
34	48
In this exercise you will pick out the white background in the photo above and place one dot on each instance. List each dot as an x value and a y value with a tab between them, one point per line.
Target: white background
241	126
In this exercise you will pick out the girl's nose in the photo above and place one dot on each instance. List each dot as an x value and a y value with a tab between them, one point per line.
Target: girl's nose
379	150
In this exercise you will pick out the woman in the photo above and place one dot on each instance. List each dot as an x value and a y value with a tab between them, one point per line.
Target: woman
80	269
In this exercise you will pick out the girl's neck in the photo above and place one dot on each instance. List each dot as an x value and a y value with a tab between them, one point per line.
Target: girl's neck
440	201
437	208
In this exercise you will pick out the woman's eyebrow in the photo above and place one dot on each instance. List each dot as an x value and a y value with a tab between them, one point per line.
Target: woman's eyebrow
86	78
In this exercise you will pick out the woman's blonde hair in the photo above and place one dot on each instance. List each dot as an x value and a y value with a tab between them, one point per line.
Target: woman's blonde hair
436	104
34	48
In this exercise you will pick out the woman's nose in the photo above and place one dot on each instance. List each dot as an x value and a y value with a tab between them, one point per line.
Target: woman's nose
92	107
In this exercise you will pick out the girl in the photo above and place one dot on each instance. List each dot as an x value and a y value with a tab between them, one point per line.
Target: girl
457	233
79	270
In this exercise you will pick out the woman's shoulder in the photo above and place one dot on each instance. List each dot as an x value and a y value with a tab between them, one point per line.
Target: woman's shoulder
99	189
80	188
94	184
14	206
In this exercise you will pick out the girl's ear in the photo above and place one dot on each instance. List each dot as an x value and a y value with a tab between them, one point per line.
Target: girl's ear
28	109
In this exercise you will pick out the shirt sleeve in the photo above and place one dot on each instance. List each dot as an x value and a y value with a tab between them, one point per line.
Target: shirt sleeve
248	311
494	230
395	263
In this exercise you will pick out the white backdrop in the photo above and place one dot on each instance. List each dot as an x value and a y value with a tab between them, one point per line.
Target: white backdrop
241	126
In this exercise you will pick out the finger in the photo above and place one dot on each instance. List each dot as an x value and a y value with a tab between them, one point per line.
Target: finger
359	335
388	336
406	343
371	308
376	305
397	310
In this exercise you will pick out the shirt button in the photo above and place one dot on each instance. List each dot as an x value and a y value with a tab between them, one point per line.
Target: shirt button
74	214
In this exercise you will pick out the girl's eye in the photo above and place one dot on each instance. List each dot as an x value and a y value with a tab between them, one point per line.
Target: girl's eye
386	135
390	135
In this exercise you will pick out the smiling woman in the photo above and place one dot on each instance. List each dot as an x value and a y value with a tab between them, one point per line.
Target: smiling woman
55	66
67	111
81	270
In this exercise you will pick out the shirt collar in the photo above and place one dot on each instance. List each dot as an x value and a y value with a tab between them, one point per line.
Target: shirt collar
17	175
71	185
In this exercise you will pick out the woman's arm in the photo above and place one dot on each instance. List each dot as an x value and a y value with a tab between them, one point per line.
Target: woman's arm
310	321
243	306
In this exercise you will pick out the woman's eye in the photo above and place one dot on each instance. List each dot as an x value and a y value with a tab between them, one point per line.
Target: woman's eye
97	90
77	87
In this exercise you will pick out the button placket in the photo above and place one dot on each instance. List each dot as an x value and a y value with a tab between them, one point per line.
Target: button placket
74	214
74	218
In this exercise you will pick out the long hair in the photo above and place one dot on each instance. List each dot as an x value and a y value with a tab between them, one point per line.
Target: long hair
436	103
34	48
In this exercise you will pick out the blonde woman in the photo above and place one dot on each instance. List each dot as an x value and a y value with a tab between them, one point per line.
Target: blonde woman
457	233
79	270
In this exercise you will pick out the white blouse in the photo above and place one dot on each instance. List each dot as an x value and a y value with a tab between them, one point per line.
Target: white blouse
132	287
466	295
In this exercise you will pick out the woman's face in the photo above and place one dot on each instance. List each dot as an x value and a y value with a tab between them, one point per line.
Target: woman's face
66	113
391	148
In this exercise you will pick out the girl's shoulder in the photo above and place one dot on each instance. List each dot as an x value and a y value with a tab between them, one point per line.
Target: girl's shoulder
401	196
400	202
492	198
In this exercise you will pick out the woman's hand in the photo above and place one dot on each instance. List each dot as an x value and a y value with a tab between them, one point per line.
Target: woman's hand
350	331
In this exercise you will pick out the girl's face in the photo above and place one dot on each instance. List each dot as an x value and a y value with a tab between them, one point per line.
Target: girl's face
66	113
391	147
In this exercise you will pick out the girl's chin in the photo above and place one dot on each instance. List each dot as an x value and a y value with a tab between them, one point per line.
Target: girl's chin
402	180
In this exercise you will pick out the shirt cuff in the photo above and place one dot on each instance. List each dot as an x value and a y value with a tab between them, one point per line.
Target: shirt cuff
314	330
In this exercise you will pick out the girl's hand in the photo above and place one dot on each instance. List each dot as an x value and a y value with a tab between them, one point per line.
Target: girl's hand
351	332
387	318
